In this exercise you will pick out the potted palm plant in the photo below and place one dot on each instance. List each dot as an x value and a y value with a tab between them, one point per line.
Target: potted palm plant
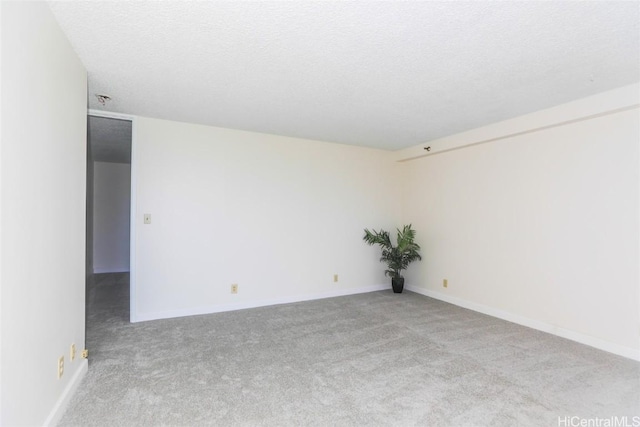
396	257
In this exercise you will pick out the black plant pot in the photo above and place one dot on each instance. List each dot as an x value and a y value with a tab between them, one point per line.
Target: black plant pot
397	283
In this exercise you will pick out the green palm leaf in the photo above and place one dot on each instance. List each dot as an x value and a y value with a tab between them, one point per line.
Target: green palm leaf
396	257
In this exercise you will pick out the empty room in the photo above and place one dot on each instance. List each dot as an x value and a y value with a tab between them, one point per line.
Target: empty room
312	213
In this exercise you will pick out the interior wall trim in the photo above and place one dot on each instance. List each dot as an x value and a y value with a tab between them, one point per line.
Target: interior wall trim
132	219
110	115
598	343
615	101
65	398
431	151
220	308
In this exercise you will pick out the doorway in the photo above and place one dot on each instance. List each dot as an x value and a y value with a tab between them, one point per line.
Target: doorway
109	142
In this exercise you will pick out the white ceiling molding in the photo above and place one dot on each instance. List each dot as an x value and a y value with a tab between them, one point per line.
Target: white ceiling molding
610	102
110	115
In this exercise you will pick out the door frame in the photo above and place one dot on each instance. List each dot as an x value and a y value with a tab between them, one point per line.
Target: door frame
133	312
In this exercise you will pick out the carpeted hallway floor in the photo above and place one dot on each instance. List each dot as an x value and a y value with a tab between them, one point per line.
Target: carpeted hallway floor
369	359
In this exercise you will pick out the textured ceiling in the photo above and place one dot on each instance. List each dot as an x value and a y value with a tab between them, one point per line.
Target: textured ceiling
110	139
379	74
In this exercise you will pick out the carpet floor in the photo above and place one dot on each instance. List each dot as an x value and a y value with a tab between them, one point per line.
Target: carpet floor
370	359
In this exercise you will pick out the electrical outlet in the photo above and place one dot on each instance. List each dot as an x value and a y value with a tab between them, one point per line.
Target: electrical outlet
445	283
335	278
72	352
234	288
85	354
60	367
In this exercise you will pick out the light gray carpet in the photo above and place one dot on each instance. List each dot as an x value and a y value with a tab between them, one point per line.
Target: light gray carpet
370	359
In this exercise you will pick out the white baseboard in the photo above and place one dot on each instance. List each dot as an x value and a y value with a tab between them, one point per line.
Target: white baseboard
598	343
141	317
63	402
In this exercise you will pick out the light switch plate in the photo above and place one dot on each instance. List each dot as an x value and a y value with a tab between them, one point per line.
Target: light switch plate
147	218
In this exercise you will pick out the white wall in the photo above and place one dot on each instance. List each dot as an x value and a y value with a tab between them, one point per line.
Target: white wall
537	226
111	211
42	225
278	216
540	228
